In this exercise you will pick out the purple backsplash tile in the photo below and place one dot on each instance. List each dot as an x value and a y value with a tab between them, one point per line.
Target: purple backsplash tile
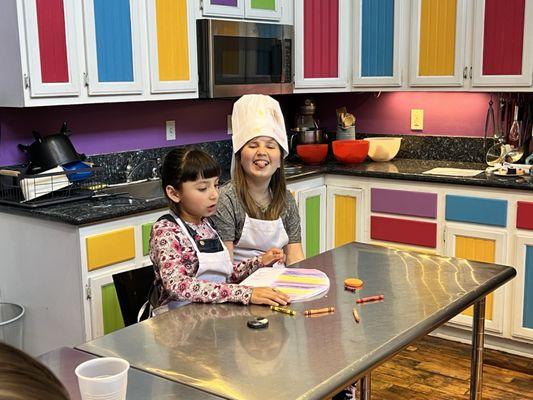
115	127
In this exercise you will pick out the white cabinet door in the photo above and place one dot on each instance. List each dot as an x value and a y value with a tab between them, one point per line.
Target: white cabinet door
502	43
113	48
438	39
321	50
51	37
172	46
345	216
484	245
263	9
522	325
312	206
377	32
223	8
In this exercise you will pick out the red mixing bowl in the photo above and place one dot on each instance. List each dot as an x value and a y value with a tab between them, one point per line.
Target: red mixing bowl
312	153
350	151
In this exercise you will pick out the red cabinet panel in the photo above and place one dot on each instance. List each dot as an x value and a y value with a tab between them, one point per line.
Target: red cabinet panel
524	215
52	41
405	231
503	38
321	38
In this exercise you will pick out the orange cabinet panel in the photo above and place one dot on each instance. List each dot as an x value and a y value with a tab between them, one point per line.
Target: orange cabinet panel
110	247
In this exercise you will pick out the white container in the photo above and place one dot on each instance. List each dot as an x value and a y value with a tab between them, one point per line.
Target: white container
383	148
103	378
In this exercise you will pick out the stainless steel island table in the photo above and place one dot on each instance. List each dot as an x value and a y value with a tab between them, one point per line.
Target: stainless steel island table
210	347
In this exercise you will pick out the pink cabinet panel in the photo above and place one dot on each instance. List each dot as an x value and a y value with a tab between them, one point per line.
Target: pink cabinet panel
404	202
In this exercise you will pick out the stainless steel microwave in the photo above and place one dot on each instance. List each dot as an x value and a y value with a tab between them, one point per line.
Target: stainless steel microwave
236	58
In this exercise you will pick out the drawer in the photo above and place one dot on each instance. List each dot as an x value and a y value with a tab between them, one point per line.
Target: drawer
418	233
110	247
476	210
524	215
404	202
146	229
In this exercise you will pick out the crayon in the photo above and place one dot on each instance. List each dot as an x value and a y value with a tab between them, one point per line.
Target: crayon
370	298
356	315
283	310
319	310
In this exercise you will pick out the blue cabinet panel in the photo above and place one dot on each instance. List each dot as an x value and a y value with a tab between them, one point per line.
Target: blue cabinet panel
528	289
113	40
377	37
476	210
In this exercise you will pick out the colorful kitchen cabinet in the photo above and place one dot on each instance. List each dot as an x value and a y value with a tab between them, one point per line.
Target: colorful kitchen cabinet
312	206
482	245
113	43
438	38
251	9
52	49
476	210
172	43
321	30
376	33
344	216
502	43
524	215
522	324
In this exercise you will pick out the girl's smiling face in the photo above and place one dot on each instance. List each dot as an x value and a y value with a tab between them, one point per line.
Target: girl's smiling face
196	199
261	157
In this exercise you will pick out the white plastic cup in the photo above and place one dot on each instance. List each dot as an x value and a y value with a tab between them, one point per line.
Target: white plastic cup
103	378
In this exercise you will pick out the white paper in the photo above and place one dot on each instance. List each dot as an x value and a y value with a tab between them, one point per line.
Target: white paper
299	283
453	172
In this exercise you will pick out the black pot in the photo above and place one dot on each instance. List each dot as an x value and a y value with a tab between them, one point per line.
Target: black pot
51	151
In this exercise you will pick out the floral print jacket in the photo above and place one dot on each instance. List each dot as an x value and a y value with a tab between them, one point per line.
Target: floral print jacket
176	263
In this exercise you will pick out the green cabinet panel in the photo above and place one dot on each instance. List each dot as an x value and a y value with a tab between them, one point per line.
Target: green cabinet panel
146	229
111	309
312	226
264	4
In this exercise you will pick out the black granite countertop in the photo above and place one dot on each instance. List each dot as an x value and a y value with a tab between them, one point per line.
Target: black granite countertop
90	211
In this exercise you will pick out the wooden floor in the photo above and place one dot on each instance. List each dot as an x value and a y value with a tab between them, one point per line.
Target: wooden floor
438	369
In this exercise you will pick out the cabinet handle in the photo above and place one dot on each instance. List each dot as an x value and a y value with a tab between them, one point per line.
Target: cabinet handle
470	72
465	72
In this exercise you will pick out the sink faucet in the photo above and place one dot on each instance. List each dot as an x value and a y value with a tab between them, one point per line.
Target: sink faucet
131	169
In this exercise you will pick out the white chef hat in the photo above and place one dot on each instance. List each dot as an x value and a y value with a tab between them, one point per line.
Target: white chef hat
258	115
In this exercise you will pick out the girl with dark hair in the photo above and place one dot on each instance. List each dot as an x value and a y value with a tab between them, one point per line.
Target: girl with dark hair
256	211
190	261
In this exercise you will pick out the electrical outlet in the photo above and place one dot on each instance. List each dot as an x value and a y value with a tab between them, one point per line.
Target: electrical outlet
229	130
171	130
417	119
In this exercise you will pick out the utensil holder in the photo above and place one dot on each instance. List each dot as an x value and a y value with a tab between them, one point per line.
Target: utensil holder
345	133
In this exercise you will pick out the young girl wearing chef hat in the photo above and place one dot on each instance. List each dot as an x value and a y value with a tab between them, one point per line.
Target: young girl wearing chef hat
190	261
256	211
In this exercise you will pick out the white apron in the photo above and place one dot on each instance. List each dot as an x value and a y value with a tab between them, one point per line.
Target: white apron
213	267
259	235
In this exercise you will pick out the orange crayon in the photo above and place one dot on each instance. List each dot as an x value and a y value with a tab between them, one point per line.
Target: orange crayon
319	311
356	315
370	298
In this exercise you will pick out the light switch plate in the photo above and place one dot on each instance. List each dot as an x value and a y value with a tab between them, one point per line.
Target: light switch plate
417	119
229	130
170	130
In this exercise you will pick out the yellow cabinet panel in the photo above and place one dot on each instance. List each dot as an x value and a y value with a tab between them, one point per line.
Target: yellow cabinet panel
345	220
481	250
110	248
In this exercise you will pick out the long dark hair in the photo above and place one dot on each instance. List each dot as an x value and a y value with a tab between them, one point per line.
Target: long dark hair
277	187
185	164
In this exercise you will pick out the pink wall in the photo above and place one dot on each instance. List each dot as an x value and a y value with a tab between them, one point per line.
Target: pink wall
445	114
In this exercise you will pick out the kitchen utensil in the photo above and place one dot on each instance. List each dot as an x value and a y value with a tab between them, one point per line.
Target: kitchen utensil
350	151
312	153
345	133
383	148
348	120
84	171
51	151
489	119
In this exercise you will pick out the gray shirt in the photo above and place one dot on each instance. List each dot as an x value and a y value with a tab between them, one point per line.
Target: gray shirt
230	215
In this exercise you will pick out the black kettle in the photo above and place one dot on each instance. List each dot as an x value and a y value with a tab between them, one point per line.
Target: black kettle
50	151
